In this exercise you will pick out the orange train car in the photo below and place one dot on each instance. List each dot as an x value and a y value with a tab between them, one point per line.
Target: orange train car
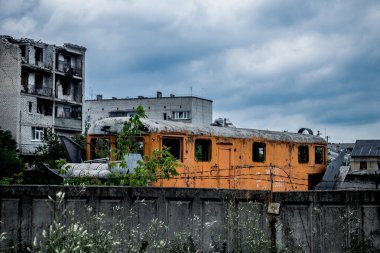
224	157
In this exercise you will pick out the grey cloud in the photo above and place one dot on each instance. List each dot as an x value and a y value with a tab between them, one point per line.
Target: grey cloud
312	62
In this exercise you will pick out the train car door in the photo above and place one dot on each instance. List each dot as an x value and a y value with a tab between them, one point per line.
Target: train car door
224	163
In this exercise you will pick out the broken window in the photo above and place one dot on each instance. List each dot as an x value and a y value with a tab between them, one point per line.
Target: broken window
25	80
202	150
37	133
258	152
174	145
76	113
100	148
65	86
23	50
44	107
363	165
38	81
303	154
67	64
38	54
181	115
319	155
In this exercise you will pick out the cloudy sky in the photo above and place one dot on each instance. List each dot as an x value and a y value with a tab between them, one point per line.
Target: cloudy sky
278	65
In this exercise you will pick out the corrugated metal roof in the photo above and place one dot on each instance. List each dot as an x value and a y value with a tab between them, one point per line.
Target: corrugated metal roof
167	126
366	148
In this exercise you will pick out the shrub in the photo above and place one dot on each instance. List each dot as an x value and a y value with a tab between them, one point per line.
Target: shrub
10	162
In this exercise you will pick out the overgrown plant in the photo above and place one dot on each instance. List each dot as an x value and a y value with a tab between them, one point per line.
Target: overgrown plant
245	219
127	140
50	150
11	167
352	227
68	234
94	232
160	165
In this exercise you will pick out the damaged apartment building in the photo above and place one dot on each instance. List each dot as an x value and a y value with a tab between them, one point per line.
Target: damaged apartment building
41	86
187	109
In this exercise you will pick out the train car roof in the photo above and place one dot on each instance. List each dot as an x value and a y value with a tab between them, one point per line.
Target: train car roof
115	124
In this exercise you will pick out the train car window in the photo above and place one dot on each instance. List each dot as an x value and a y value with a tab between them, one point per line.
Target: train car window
202	150
303	154
174	145
100	148
319	155
258	152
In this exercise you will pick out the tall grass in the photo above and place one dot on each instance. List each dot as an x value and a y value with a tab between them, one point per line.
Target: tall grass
96	233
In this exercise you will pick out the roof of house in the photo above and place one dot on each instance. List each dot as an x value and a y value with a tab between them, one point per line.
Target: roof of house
115	124
366	148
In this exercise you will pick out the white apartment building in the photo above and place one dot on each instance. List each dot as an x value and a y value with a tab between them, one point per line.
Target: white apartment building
188	109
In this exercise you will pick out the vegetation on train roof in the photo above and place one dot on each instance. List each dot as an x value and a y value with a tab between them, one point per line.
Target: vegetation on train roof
113	125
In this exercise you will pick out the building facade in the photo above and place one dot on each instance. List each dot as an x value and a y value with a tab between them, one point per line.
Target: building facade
365	155
188	109
41	86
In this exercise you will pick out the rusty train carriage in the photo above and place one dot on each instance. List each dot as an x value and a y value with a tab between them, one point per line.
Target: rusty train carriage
222	157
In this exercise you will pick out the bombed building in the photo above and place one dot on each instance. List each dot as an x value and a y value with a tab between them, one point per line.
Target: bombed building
41	86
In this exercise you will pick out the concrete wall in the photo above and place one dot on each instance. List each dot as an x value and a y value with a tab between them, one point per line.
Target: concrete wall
307	221
10	78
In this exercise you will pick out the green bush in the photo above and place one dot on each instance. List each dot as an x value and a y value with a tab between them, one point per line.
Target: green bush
10	162
51	149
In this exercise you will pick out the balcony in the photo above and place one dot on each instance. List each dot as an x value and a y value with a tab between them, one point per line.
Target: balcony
73	124
68	70
47	92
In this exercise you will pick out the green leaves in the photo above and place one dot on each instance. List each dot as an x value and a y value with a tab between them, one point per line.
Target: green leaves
160	165
10	163
51	149
127	141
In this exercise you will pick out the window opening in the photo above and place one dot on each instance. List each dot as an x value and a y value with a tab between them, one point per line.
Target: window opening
23	50
30	107
202	150
65	86
303	154
181	115
100	148
174	145
37	133
164	116
44	107
25	80
38	54
363	165
38	81
319	155
67	112
258	152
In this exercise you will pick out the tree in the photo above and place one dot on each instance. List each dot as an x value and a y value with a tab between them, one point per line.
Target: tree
127	140
10	162
51	149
